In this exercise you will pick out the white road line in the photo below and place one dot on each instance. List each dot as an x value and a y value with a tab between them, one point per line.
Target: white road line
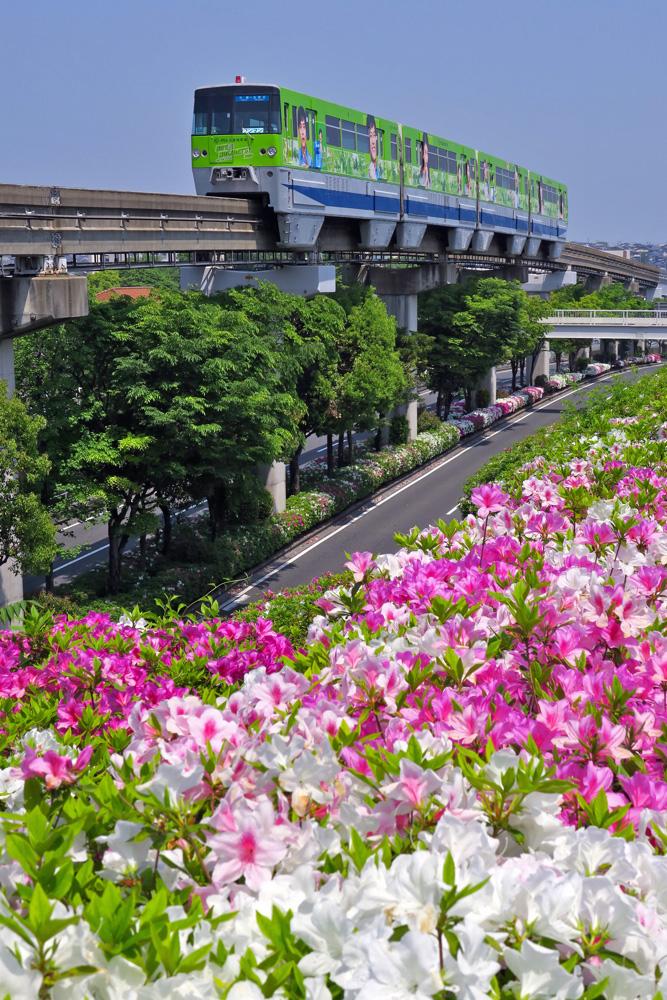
453	509
68	527
406	486
86	555
318	450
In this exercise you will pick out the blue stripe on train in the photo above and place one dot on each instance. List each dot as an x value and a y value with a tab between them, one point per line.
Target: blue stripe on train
423	209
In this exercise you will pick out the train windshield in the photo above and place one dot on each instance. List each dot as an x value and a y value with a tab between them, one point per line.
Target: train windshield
236	111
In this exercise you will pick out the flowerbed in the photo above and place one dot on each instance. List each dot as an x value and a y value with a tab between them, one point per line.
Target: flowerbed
595	369
456	790
563	380
643	403
477	420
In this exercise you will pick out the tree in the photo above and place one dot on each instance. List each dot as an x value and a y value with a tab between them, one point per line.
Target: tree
164	395
473	327
449	366
309	332
371	377
27	534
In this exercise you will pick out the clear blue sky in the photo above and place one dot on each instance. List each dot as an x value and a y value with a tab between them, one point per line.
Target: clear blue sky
99	94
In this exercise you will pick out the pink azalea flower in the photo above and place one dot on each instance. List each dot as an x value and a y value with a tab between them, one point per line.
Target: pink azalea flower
250	850
53	768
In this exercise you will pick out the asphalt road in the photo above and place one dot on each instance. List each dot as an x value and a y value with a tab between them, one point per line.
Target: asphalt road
88	539
421	499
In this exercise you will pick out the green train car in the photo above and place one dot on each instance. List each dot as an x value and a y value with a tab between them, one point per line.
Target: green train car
313	160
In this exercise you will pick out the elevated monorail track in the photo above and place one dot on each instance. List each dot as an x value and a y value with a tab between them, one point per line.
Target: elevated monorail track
99	228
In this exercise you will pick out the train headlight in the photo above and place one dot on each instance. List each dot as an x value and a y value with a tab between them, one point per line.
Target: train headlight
272	150
195	153
204	152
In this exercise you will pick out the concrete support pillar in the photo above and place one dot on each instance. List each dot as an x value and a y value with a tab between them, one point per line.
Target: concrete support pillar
609	348
583	352
404	310
640	347
542	363
11	583
488	383
272	477
594	282
7	365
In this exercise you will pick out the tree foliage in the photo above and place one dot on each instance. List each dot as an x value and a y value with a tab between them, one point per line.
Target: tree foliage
27	534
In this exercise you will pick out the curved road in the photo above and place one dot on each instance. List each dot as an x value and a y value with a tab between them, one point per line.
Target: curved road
429	493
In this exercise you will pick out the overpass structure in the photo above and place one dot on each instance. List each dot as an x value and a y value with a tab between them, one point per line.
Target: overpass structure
609	324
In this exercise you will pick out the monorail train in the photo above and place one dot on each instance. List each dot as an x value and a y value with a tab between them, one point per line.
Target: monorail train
311	161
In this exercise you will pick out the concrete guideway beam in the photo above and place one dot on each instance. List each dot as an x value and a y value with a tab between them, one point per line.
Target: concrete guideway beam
28	303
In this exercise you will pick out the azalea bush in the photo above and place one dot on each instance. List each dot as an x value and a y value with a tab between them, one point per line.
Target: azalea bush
596	368
477	420
455	788
643	403
562	380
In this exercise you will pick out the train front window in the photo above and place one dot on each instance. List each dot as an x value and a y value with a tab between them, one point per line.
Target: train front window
236	111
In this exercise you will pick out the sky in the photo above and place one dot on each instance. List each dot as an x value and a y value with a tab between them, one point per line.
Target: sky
99	95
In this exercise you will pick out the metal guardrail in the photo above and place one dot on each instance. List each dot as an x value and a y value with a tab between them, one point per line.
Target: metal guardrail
605	314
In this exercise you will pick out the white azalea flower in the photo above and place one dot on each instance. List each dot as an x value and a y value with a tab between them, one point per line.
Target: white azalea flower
540	974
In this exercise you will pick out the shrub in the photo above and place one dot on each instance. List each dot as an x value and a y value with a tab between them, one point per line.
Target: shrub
399	430
427	420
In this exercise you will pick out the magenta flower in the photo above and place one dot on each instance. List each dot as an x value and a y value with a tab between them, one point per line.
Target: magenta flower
54	769
488	499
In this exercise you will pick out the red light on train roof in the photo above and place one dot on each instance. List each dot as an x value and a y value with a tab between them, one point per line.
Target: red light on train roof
239	79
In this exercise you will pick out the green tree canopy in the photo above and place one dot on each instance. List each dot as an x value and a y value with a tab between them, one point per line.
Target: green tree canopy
27	534
162	395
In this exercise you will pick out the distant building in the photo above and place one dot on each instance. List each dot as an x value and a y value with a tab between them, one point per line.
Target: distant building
131	291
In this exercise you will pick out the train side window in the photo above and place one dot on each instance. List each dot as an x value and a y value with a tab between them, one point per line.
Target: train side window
295	127
333	130
349	135
380	132
394	146
285	116
407	150
362	139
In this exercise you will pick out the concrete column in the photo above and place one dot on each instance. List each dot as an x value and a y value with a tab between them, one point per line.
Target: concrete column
7	365
489	383
641	347
272	477
541	365
609	348
404	310
11	583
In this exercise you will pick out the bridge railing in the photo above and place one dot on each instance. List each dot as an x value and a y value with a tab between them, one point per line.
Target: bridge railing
610	313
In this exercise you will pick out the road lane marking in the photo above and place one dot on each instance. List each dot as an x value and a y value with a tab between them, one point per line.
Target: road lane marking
86	555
